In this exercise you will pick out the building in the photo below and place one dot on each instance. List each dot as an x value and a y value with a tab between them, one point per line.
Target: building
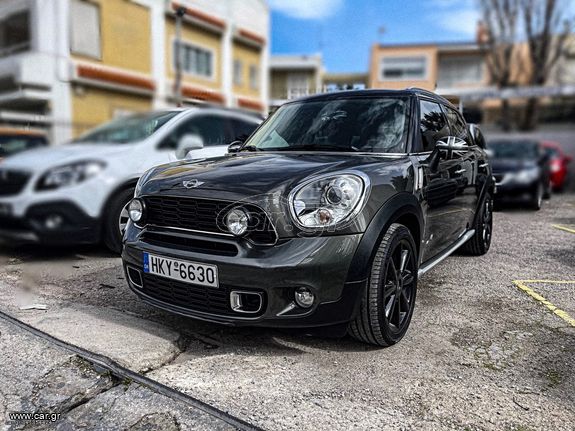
459	72
69	65
293	76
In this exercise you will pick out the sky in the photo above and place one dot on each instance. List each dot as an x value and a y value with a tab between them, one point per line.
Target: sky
346	29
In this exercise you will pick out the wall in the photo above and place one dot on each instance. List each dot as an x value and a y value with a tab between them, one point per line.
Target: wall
378	52
93	106
125	35
249	56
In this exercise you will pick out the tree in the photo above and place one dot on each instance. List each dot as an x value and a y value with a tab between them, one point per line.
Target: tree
546	30
500	22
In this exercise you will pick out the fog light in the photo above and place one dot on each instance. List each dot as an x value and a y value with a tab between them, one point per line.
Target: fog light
304	297
53	221
136	210
237	221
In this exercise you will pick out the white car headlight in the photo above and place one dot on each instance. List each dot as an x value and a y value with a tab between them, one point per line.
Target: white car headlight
69	175
329	200
527	175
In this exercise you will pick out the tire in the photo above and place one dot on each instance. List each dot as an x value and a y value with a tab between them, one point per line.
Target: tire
112	230
480	242
537	199
380	320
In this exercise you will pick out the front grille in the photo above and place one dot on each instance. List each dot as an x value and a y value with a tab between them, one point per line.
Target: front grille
204	215
12	182
182	242
192	297
9	223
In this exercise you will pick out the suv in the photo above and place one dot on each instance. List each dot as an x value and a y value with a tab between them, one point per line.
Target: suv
324	218
77	193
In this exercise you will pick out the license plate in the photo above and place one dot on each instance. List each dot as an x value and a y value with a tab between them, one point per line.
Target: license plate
188	272
5	210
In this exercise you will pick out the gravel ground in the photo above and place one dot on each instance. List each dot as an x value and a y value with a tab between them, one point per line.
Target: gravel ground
480	354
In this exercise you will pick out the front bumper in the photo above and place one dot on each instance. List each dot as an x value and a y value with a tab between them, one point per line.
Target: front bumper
75	226
510	189
320	264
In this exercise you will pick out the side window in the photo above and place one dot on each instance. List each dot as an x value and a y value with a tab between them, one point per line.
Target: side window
456	124
433	125
241	130
211	128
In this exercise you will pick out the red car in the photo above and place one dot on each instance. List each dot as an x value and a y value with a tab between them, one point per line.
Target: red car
558	161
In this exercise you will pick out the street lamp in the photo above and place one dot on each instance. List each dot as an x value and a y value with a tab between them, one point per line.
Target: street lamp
180	12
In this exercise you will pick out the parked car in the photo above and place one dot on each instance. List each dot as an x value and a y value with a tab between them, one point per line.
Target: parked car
325	217
559	162
14	141
78	193
522	171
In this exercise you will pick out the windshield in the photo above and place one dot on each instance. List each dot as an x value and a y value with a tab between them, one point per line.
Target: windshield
514	149
10	145
128	129
377	125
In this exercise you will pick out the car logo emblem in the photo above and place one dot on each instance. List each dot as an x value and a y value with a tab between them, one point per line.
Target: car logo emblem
192	184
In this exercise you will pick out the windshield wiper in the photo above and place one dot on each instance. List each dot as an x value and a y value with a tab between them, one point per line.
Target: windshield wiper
313	147
250	148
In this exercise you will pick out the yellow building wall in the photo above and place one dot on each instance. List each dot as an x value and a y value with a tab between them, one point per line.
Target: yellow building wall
199	37
379	52
249	56
94	106
125	36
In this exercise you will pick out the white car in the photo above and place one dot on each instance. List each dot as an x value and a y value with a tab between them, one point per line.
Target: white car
78	192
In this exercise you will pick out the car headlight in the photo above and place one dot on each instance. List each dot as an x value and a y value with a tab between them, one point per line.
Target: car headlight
237	221
527	175
329	200
69	175
136	210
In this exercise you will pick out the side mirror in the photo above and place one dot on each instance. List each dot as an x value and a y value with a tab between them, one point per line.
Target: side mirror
235	146
188	143
450	144
568	159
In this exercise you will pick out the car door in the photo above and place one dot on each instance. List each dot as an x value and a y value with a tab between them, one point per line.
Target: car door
439	183
466	172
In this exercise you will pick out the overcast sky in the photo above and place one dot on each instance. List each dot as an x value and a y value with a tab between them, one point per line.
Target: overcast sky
346	29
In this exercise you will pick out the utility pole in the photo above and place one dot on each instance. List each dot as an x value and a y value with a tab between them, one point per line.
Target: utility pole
180	12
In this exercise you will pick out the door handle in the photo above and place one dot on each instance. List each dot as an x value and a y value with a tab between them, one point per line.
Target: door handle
459	171
483	165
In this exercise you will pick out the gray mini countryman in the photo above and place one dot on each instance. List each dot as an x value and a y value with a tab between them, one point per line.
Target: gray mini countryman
323	219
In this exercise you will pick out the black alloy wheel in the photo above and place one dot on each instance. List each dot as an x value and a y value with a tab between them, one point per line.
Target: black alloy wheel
387	305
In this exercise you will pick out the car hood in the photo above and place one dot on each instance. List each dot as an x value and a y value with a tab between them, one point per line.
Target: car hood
250	174
45	158
502	166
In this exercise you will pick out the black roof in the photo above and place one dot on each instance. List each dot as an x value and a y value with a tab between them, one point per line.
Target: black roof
374	93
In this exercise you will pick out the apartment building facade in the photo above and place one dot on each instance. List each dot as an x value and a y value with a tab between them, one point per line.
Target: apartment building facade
69	65
459	72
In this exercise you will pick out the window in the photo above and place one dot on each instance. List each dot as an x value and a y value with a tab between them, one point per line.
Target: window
241	130
403	68
254	84
195	60
238	69
129	129
211	128
456	123
85	29
297	85
457	70
15	33
376	125
432	123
